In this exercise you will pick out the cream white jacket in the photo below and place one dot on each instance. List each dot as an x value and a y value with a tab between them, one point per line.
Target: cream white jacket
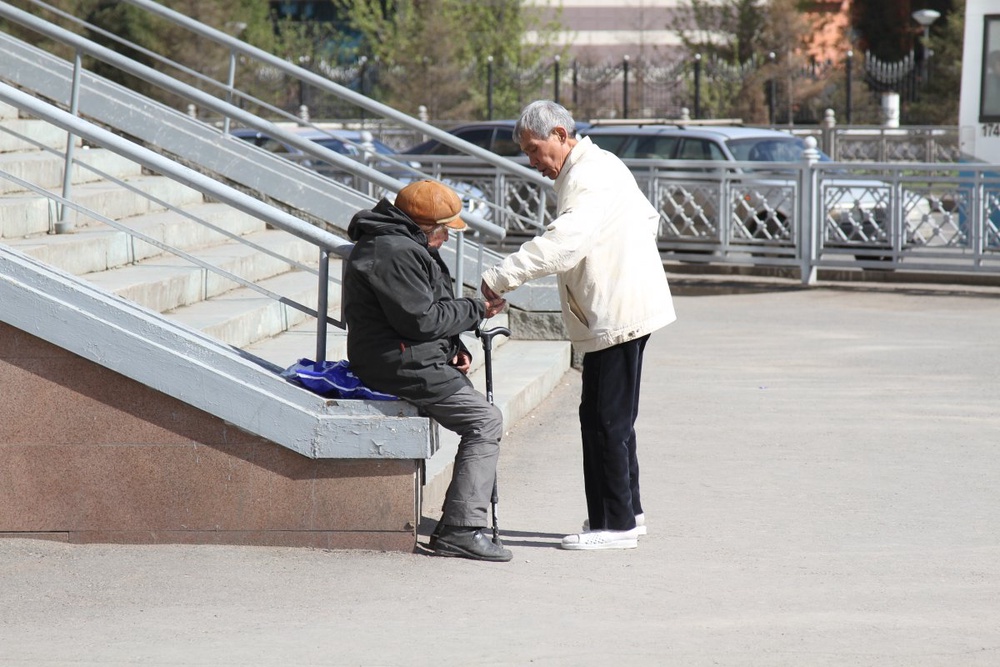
602	247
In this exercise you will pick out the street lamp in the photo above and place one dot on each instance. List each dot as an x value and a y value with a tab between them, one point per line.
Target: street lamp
926	17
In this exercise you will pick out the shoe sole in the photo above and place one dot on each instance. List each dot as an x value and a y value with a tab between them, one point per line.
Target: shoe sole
617	544
451	551
641	529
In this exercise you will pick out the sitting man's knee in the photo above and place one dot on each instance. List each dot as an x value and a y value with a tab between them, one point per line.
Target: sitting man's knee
492	426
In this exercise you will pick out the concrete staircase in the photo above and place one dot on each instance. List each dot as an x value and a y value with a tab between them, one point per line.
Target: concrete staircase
140	271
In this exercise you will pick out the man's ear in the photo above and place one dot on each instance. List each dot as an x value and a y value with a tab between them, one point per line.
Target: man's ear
560	132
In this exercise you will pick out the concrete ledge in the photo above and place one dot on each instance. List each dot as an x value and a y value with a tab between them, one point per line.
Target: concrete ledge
87	455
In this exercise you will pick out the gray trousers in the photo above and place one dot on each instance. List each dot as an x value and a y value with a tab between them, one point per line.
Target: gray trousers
480	426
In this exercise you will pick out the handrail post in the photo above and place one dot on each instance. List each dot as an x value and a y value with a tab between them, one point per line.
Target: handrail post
828	126
460	264
542	203
323	303
64	224
810	219
230	87
480	254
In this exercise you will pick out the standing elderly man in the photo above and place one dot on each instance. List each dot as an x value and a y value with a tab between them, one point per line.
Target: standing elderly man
403	326
614	293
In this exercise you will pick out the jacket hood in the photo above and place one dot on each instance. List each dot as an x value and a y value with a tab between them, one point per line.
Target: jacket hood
384	220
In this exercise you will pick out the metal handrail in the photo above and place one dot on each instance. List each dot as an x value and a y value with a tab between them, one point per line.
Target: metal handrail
65	202
146	238
156	162
323	240
82	45
342	92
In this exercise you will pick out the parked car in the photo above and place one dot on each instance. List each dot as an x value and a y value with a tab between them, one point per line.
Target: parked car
764	199
352	143
493	135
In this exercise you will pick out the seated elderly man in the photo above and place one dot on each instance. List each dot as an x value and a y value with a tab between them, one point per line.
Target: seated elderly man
403	326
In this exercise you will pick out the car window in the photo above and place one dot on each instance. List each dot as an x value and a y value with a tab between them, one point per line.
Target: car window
700	149
273	146
613	143
652	148
382	148
480	136
766	150
504	144
337	146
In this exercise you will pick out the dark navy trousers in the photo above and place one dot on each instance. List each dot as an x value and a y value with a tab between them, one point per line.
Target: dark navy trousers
608	409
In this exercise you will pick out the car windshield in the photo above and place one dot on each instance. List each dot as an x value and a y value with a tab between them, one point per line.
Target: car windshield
769	149
344	148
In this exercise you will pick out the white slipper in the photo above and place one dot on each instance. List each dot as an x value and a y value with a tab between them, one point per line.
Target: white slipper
602	539
640	523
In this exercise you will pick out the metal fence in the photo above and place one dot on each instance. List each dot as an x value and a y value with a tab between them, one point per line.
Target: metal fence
793	91
874	143
813	214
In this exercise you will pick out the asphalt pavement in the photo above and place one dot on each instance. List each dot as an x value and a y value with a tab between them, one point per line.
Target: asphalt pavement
821	485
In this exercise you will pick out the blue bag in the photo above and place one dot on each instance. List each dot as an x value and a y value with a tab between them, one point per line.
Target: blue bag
332	379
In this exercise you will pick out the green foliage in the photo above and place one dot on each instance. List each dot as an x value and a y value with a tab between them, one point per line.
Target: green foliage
434	53
730	30
735	38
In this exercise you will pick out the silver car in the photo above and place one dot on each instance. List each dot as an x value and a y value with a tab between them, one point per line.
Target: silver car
761	200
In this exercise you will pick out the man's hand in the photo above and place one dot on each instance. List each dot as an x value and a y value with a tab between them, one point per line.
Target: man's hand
494	302
462	361
489	293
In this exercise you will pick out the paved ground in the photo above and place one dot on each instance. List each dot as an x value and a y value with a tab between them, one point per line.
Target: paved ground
821	486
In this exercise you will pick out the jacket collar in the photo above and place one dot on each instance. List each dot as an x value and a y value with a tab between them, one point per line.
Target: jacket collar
583	146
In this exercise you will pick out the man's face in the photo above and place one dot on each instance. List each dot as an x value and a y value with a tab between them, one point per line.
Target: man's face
548	154
436	235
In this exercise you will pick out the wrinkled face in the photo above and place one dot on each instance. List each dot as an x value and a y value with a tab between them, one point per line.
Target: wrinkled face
436	235
548	154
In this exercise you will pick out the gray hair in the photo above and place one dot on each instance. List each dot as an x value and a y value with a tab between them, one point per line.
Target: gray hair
540	118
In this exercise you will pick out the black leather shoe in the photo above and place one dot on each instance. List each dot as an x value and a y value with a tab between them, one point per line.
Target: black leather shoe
432	540
465	542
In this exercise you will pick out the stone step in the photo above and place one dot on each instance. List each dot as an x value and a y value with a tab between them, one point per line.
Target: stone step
94	249
243	316
22	134
26	213
8	112
299	342
169	282
46	169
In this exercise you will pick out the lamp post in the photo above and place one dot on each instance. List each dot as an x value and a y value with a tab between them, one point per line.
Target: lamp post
926	17
772	90
697	86
625	86
489	87
850	84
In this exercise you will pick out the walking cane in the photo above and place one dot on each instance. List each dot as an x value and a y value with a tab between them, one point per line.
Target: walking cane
487	338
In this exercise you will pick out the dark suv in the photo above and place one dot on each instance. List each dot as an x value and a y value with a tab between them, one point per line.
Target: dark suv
494	135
